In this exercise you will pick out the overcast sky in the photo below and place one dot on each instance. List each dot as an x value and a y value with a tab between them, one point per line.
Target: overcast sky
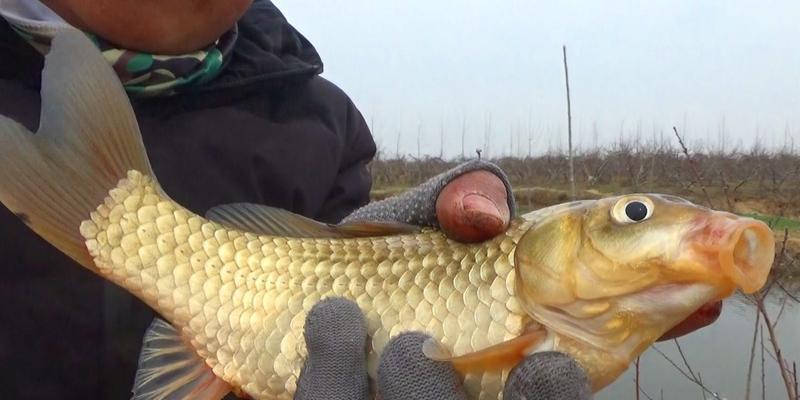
705	66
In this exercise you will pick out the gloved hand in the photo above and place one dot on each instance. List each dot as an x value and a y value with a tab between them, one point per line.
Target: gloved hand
470	203
336	367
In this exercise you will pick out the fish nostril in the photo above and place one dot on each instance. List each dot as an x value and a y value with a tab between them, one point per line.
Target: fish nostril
745	248
751	255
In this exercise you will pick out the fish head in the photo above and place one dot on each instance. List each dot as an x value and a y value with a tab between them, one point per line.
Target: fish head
616	274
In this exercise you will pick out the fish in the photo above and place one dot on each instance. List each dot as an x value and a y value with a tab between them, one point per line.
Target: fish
599	280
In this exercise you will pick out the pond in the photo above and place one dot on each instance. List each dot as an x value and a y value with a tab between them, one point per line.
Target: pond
720	354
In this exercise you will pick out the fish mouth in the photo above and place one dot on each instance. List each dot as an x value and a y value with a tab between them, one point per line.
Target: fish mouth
744	249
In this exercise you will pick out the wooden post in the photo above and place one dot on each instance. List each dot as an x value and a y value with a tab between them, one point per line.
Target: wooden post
569	128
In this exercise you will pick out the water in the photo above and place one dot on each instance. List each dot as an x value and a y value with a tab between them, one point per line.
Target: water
720	353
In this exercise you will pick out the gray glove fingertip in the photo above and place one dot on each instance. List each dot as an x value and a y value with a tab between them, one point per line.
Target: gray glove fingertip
405	373
336	367
547	376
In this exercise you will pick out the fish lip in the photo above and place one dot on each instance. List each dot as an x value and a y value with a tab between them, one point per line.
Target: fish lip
742	248
704	316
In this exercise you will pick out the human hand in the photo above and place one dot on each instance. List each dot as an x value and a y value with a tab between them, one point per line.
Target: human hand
473	207
336	367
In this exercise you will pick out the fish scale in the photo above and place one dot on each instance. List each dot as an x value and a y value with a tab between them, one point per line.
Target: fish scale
241	299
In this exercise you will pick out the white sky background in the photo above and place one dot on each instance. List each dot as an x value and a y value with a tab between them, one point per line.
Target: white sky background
705	66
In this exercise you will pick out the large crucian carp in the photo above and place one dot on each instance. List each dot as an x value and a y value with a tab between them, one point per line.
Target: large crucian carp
599	280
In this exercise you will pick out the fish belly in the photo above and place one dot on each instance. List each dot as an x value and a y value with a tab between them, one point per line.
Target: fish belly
241	299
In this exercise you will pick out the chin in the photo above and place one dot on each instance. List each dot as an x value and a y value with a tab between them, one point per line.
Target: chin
163	27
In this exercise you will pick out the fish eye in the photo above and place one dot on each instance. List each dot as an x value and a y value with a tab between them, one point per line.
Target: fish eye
636	211
631	211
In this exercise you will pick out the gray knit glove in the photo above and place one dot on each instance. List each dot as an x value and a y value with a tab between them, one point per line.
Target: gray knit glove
418	205
336	367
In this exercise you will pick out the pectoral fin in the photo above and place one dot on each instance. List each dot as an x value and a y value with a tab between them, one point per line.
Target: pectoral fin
170	369
494	358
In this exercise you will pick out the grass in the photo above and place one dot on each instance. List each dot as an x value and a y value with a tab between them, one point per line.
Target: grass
777	223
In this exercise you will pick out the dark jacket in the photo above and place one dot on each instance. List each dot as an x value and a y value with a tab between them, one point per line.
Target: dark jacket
268	130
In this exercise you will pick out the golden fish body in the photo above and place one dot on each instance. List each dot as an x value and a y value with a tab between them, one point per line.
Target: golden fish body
241	299
599	280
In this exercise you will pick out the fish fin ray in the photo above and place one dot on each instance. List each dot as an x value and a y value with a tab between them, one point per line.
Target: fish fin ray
377	228
494	358
265	220
170	369
86	142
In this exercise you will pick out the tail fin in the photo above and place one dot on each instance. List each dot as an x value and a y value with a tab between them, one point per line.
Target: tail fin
87	140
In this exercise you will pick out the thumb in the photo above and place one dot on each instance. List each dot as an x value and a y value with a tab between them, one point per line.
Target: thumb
473	207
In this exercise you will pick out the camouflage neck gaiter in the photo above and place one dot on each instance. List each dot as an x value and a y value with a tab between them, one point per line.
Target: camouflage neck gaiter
146	75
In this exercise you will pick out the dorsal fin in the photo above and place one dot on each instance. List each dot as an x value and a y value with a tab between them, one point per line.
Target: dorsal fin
169	369
265	220
376	228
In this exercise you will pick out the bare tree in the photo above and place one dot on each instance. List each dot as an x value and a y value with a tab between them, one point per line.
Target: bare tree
419	138
397	146
441	139
487	145
463	133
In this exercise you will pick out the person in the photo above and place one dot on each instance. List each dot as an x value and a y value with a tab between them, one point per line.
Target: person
232	108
